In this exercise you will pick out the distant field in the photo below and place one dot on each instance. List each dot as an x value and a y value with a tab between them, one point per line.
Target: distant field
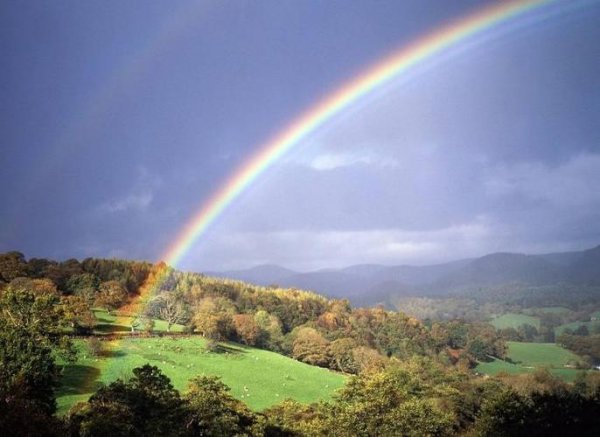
555	310
514	320
592	326
258	377
529	356
540	354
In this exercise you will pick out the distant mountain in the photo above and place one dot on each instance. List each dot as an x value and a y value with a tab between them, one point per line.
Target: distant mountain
370	284
586	267
504	268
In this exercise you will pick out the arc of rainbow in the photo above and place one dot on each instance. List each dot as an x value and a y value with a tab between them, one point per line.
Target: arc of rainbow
382	72
391	67
379	74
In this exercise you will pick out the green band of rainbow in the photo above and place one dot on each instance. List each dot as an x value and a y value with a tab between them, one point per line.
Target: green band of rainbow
391	67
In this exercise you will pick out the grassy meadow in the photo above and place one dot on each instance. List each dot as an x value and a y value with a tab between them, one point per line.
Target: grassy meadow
526	357
514	320
260	378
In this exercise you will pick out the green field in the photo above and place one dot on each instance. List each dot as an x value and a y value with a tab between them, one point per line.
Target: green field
529	356
260	378
514	320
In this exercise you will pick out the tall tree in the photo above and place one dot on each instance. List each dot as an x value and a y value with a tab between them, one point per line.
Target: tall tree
170	307
29	334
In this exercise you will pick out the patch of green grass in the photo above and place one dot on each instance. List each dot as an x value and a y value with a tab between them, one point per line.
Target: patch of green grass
527	357
514	320
498	366
259	378
540	354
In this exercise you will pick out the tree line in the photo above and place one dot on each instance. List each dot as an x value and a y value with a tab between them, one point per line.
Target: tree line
404	379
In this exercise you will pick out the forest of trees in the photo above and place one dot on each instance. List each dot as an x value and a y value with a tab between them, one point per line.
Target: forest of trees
411	378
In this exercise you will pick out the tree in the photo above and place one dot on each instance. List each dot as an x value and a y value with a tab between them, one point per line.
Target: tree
77	314
270	326
341	352
213	318
291	418
147	404
12	265
310	347
400	400
29	333
170	308
112	295
368	359
212	411
246	329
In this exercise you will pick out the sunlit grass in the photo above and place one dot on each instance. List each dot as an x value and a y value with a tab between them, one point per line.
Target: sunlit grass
260	378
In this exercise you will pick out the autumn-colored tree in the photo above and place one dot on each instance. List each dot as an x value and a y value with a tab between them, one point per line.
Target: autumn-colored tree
29	336
368	359
342	355
271	329
12	265
310	347
247	330
213	318
170	307
291	418
400	400
212	411
76	313
112	295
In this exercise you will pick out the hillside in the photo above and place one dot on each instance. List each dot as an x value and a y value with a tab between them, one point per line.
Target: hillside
258	377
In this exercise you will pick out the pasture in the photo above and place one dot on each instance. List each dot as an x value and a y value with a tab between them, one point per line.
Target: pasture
259	378
514	320
526	357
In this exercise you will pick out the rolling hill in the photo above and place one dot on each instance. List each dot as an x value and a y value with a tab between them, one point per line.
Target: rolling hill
369	284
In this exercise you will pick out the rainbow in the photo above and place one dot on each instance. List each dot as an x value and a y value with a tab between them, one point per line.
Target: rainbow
373	78
391	67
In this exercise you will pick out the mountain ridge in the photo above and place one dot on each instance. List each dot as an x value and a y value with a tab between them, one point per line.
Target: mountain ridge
369	284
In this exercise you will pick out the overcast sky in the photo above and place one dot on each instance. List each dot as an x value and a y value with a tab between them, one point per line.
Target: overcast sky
118	119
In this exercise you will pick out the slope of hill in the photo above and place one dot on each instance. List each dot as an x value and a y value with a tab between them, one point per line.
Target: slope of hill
258	377
586	267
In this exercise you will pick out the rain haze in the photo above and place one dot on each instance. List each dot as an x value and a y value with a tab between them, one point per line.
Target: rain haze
119	120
